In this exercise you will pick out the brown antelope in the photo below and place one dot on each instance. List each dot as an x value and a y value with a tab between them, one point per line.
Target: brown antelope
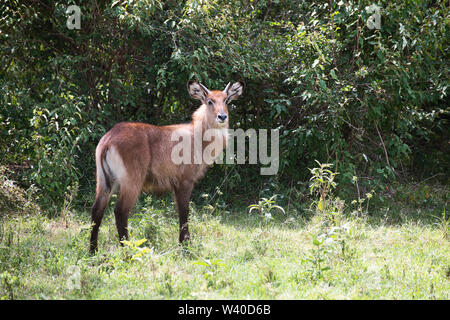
137	157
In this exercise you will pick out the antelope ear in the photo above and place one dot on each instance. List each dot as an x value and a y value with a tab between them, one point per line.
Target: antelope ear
197	90
234	91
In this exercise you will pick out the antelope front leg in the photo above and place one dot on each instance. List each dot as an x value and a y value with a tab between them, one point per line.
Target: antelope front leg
182	196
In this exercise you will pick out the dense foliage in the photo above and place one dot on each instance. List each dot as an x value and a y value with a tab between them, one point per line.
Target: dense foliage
371	101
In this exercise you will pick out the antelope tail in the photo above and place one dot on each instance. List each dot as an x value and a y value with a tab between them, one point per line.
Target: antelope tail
106	171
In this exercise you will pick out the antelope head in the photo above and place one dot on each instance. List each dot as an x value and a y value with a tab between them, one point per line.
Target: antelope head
216	101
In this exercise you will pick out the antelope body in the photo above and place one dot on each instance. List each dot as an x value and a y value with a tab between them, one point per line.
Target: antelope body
136	157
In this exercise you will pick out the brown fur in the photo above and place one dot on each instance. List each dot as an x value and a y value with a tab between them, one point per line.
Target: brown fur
137	157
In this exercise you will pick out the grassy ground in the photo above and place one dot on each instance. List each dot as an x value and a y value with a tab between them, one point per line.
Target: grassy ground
232	255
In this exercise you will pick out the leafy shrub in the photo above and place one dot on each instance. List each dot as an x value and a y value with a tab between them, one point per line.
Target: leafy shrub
369	101
14	199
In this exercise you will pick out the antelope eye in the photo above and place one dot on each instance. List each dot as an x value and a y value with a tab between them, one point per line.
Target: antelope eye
210	103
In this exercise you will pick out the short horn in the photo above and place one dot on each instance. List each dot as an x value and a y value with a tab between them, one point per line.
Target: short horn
226	88
205	88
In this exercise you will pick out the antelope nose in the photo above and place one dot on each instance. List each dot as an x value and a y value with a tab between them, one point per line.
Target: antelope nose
222	117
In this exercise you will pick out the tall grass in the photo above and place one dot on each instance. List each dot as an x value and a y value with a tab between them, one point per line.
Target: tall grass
261	252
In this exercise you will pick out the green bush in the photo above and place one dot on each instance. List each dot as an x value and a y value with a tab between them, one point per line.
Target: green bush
13	199
370	101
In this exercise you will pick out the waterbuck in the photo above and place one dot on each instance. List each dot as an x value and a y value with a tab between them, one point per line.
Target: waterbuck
136	157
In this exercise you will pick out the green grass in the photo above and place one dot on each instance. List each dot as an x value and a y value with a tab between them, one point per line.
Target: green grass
232	255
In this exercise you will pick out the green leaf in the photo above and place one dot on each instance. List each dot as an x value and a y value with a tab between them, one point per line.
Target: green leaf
333	74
